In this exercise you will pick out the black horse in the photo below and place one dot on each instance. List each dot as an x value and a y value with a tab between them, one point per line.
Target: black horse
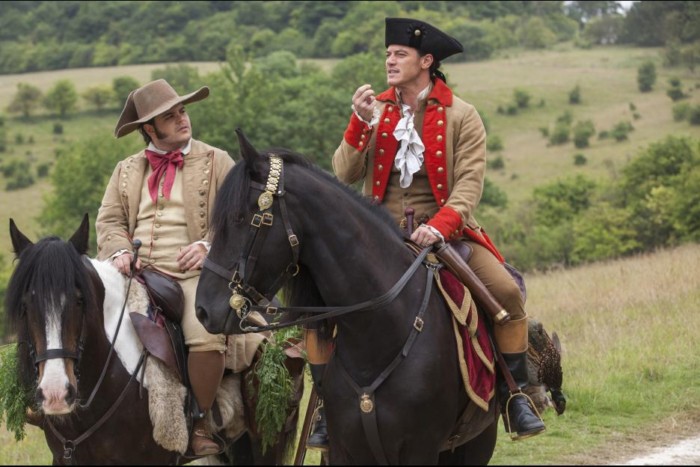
66	310
392	391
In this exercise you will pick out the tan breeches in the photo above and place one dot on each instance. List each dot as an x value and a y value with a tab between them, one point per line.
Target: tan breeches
196	337
511	337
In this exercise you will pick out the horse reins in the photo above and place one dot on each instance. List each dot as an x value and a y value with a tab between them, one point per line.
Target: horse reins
244	295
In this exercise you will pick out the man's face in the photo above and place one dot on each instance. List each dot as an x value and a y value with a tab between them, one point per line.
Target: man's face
171	129
404	65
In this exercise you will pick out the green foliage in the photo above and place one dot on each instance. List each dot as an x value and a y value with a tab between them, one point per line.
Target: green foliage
42	170
583	131
62	98
603	30
19	180
621	130
494	143
562	200
275	391
26	100
99	96
646	76
681	111
122	87
13	167
675	90
182	77
58	128
560	134
575	95
521	98
603	233
580	159
493	196
14	398
79	179
495	163
655	183
694	115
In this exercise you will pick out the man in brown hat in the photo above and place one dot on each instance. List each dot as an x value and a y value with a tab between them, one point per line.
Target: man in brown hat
163	195
418	145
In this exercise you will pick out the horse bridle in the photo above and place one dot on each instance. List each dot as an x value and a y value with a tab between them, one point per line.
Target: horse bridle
245	299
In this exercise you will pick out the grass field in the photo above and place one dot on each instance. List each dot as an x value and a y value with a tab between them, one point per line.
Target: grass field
630	333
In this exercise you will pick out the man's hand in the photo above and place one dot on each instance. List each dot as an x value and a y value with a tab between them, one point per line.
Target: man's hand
424	237
123	263
363	102
192	256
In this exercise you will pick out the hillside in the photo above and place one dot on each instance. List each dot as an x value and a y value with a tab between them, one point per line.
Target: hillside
606	76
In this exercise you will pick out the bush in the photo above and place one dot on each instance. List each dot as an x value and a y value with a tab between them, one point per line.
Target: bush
646	76
544	131
681	111
42	170
19	138
521	98
575	95
605	134
494	143
496	163
19	180
560	135
582	133
675	92
621	130
58	128
694	116
580	159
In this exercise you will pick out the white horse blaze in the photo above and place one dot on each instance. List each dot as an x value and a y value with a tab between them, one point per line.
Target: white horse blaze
54	382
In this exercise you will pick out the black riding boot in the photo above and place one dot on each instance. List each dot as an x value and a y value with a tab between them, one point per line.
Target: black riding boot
523	421
318	439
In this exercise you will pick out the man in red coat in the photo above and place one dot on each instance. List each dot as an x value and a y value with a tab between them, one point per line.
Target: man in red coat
418	145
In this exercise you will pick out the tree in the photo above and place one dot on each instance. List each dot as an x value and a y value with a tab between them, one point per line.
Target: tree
79	179
562	200
646	76
99	96
122	87
26	100
583	130
182	77
62	98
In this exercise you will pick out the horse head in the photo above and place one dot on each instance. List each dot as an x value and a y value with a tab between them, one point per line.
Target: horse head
46	302
253	248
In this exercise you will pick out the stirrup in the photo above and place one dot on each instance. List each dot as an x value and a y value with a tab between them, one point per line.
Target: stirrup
207	451
514	435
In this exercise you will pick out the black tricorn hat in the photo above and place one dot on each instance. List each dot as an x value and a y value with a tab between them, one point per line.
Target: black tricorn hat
422	36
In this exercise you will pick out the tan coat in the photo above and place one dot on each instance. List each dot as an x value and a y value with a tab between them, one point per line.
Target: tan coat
204	170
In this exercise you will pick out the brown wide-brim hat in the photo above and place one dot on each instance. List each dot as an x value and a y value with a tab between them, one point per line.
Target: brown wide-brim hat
151	100
422	36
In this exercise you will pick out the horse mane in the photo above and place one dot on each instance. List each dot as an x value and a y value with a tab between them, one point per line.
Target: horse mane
50	264
231	206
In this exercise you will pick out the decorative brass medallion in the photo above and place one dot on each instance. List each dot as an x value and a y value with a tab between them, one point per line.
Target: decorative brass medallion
366	404
265	200
236	301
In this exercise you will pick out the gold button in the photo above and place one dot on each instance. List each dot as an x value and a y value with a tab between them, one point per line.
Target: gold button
384	135
440	170
160	213
376	198
206	171
439	186
439	137
386	120
124	184
362	137
109	237
361	144
155	237
201	214
440	123
202	204
208	162
203	234
390	108
438	154
440	109
442	200
124	175
161	194
202	224
202	192
380	167
157	226
206	182
381	152
377	183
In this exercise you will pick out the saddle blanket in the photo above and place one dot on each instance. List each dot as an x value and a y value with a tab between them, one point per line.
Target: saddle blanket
476	356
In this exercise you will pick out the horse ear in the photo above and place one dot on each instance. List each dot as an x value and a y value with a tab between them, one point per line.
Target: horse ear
248	152
81	236
19	241
556	342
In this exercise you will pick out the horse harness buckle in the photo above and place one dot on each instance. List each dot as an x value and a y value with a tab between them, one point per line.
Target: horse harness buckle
418	324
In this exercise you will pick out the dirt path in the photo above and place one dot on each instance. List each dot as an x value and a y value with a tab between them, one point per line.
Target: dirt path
673	441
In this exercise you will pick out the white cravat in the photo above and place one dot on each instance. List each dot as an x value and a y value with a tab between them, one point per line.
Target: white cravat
409	157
